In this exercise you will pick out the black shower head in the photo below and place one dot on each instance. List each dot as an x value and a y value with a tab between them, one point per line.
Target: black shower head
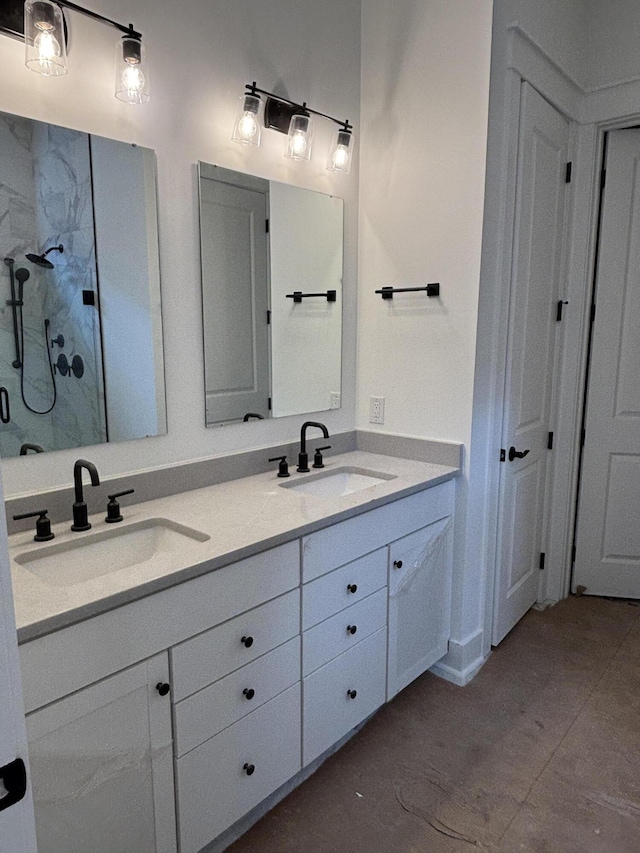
41	260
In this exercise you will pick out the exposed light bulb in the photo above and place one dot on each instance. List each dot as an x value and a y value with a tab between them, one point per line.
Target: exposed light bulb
299	138
48	48
44	41
340	152
246	129
340	157
132	71
133	79
247	126
298	143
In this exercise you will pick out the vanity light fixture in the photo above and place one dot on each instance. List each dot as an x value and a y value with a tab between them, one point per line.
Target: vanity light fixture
45	38
296	120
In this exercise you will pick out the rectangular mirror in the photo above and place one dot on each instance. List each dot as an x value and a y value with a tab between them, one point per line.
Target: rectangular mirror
271	295
81	356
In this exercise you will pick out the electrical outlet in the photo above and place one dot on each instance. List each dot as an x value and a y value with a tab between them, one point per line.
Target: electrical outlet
376	410
334	401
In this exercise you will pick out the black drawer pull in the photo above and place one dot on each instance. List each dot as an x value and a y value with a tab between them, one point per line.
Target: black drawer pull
351	629
249	693
163	688
351	694
247	642
397	564
249	768
352	587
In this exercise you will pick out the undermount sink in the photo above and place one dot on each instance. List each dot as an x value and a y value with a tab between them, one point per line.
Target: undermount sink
102	553
341	481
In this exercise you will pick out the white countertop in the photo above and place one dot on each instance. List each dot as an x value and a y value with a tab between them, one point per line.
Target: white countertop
240	517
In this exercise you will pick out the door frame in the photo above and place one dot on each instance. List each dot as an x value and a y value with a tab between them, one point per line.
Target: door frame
517	58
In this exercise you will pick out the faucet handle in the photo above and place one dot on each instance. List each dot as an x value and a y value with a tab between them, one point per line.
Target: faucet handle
43	524
113	507
283	467
317	456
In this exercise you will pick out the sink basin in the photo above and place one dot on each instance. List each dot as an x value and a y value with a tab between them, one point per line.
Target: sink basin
97	554
340	481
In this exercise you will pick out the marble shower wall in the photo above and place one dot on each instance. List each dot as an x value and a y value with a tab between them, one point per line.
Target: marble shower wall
45	200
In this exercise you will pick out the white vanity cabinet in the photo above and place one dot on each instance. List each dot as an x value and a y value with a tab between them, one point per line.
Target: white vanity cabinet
102	766
271	661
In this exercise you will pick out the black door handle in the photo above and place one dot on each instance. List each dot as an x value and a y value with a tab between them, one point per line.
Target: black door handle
516	454
14	779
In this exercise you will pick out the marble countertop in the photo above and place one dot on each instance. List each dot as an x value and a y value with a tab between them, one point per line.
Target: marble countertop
240	518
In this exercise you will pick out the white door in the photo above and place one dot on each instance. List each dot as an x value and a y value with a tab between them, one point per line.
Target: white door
17	828
608	541
233	223
535	288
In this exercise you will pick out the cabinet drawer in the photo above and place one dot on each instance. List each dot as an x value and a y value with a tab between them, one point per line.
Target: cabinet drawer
203	715
64	661
334	546
329	711
333	592
214	790
335	635
204	659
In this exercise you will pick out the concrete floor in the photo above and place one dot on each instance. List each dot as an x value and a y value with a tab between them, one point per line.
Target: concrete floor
540	753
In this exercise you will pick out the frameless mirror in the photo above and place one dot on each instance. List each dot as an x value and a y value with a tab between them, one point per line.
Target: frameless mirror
271	295
81	357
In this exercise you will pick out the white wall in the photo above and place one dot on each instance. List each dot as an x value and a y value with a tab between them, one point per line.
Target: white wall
560	27
425	83
611	48
201	56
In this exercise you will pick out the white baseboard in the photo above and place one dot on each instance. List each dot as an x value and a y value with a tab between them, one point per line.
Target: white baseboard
543	605
463	660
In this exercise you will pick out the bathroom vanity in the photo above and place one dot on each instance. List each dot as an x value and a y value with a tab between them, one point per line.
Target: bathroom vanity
170	700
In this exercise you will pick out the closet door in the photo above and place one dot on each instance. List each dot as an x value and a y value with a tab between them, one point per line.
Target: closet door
533	327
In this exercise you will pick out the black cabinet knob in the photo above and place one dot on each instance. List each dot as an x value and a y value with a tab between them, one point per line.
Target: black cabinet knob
351	629
352	587
249	769
163	688
397	564
247	642
352	694
249	693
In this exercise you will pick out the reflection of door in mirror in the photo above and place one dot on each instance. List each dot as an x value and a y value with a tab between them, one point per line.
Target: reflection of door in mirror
251	273
233	224
306	337
80	278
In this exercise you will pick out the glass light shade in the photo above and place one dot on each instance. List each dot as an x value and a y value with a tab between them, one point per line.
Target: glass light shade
340	152
300	138
45	47
132	71
246	128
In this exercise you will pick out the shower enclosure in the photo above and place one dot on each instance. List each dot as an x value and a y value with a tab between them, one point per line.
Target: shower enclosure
50	314
81	351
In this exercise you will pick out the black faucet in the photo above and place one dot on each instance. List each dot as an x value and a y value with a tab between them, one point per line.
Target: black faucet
80	514
303	456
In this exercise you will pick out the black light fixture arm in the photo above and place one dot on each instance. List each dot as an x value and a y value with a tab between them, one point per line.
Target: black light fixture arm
253	89
128	31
